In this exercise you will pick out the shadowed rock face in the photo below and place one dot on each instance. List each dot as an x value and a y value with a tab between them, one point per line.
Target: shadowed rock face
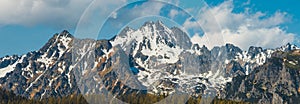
277	81
44	72
153	59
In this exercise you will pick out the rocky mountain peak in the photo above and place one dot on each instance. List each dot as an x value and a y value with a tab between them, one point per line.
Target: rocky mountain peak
152	35
155	26
150	23
155	56
288	47
124	32
61	41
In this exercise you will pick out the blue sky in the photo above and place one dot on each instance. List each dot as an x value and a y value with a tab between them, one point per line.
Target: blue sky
289	6
26	25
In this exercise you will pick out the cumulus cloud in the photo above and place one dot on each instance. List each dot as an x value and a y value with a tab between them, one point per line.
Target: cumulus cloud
52	13
173	13
114	15
244	29
147	8
55	13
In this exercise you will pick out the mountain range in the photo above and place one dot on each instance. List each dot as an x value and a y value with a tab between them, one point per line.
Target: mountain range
153	59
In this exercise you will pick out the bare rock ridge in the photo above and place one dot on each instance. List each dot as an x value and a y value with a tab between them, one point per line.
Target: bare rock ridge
153	59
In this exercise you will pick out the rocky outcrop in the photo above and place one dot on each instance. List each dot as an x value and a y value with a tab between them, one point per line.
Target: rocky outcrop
277	81
153	59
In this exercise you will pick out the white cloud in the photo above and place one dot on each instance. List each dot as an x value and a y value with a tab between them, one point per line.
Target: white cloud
244	29
147	8
56	13
173	13
246	3
265	37
114	15
53	13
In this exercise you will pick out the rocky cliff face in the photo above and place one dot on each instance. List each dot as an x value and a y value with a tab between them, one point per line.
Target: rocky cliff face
153	59
41	73
277	81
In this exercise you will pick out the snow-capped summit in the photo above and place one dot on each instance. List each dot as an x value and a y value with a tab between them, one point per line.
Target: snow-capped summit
156	31
153	39
288	47
156	58
47	65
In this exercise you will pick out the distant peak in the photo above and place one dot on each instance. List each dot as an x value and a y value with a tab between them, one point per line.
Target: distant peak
65	33
148	23
157	23
127	29
255	49
160	23
124	31
229	45
62	39
293	46
288	47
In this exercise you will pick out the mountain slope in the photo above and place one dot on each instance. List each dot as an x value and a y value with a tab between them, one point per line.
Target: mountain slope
277	81
152	59
42	73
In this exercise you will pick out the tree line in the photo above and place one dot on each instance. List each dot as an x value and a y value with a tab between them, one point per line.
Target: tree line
8	97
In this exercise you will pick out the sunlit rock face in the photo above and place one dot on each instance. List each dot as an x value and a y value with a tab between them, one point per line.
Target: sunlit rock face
153	59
